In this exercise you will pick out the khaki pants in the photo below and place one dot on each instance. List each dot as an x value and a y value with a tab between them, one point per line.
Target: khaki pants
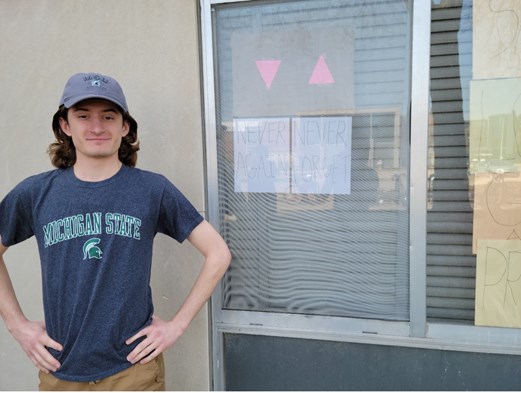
150	376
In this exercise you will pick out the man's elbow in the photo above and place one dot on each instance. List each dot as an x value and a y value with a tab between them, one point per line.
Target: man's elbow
225	257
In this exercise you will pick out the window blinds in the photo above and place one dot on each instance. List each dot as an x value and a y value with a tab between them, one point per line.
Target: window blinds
450	262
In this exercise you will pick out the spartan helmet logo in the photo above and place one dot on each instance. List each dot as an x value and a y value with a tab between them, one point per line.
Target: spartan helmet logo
91	249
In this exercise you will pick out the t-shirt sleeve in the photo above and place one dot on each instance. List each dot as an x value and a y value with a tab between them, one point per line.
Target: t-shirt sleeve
15	217
177	216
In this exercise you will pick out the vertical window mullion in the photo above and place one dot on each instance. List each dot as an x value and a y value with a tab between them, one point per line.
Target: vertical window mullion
418	176
210	127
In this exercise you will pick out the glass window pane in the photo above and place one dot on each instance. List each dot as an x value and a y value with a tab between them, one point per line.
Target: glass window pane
313	146
451	263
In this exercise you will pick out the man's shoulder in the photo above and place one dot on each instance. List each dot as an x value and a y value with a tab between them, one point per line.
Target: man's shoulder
153	181
39	178
147	175
34	185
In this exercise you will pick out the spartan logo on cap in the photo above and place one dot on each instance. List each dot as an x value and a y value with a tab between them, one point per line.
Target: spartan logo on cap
95	80
91	249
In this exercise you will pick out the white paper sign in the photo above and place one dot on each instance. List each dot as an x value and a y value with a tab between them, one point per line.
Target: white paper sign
321	155
304	155
261	155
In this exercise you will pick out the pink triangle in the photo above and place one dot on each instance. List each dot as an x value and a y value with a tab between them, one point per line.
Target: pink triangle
268	69
321	74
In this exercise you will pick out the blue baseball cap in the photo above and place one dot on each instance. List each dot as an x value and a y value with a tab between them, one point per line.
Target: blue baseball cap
83	86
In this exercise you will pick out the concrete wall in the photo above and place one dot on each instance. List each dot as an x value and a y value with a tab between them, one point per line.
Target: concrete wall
151	47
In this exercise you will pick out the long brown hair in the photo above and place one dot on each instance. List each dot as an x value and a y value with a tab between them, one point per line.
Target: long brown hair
62	152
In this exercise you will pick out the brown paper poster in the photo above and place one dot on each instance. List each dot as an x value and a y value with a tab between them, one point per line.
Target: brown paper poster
497	207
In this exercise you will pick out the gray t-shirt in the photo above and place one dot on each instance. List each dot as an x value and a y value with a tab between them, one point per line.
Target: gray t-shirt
95	242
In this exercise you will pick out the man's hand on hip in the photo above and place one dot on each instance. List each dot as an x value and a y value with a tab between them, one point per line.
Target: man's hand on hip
159	336
33	338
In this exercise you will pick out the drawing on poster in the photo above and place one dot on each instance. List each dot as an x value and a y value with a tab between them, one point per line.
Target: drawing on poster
496	39
497	215
308	155
498	283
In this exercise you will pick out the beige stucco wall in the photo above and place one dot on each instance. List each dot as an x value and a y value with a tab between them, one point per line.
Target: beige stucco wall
151	47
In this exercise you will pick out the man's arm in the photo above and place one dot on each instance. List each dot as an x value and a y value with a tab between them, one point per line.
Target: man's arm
32	336
160	335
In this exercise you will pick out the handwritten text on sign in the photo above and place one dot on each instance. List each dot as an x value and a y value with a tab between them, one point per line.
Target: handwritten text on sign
498	283
293	155
261	155
321	155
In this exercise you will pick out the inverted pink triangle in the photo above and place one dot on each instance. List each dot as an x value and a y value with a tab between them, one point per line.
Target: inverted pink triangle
321	74
268	69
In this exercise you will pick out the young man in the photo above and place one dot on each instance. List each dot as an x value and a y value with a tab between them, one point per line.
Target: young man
94	219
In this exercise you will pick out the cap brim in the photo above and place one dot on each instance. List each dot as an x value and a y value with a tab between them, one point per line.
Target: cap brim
131	120
73	101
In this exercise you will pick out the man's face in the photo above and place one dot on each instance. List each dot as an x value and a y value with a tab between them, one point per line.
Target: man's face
96	128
